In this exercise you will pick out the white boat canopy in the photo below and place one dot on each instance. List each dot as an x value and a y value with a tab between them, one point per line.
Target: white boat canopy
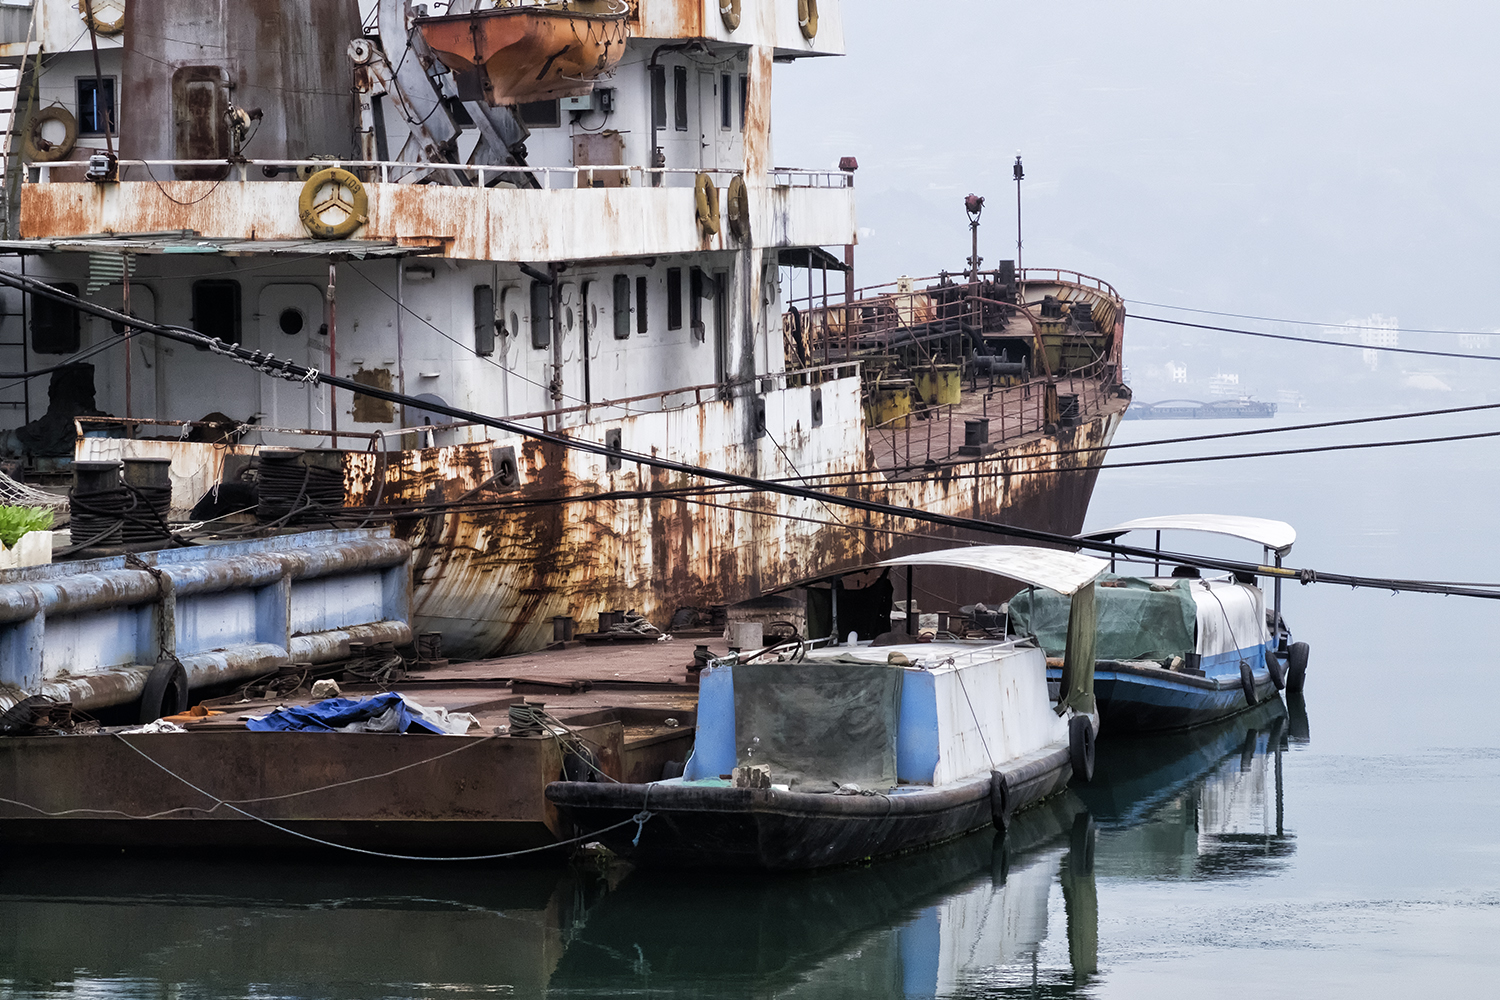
1053	569
1275	535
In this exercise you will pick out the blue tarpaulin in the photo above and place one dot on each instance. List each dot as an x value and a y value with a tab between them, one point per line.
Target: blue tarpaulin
388	712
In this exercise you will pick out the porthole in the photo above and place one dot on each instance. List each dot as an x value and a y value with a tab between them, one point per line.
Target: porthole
291	321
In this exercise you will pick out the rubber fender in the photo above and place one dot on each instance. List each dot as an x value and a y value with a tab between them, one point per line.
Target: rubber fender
580	764
1278	672
673	769
739	208
1081	748
101	23
707	197
1000	808
729	10
1247	682
807	18
166	691
311	207
32	146
1296	667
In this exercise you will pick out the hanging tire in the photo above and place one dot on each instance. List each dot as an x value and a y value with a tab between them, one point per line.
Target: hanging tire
1081	748
706	196
37	149
1296	667
166	691
1278	672
1000	809
1247	682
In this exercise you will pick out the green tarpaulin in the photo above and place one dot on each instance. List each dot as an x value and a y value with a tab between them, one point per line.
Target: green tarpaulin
1135	621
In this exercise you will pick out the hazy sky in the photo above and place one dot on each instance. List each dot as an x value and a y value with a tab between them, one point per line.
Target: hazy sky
1317	160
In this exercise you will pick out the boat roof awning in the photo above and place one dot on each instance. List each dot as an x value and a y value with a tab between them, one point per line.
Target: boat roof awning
1053	569
811	257
189	242
1275	535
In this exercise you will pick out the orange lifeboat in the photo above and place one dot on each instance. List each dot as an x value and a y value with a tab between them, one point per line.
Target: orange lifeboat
519	52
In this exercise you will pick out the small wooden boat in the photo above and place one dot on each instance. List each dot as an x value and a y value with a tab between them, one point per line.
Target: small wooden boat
852	752
516	53
1181	650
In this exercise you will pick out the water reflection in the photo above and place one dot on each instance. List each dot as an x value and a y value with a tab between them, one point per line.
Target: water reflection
984	916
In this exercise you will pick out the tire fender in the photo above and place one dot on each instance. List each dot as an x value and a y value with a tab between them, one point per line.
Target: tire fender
1278	672
1296	667
1000	808
1081	748
1247	682
166	691
706	196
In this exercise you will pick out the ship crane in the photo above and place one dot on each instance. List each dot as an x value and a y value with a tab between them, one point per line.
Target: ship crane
423	91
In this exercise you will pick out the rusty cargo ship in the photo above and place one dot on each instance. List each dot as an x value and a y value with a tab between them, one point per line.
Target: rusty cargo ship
605	252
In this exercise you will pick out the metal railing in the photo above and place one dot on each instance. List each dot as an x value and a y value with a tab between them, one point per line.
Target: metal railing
480	175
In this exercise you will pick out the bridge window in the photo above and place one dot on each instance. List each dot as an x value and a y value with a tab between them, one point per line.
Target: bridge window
622	306
54	325
674	298
96	106
216	310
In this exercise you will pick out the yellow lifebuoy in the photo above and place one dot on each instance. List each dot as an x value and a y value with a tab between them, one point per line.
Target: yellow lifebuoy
36	148
739	208
708	204
729	10
333	191
807	18
100	19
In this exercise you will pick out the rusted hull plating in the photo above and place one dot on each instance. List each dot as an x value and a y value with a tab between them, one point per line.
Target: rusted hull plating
491	576
521	54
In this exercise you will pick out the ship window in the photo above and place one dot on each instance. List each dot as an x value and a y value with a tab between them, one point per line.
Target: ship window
721	325
216	310
680	98
540	114
674	298
290	321
641	316
658	97
484	320
541	315
96	105
54	325
726	102
744	98
622	306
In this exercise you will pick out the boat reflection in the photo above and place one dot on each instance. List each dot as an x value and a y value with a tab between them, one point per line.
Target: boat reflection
983	916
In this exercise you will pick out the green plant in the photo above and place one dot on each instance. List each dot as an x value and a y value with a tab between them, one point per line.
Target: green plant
17	521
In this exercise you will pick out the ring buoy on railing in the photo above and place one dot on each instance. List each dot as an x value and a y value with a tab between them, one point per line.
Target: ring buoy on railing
38	149
107	17
333	204
729	10
807	18
739	208
707	197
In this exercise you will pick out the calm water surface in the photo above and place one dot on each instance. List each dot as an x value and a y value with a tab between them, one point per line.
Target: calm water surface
1344	845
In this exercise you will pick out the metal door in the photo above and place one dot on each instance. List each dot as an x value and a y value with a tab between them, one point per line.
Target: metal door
291	325
708	120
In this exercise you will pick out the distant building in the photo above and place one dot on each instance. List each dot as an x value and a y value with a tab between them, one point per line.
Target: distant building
1374	332
1224	384
1476	341
1177	373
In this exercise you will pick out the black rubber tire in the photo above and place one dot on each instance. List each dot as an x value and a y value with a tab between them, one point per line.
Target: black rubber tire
1247	683
166	692
1082	839
1000	810
1296	667
1278	671
673	769
1081	748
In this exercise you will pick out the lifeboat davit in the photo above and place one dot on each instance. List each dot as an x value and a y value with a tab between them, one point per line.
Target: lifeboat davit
518	52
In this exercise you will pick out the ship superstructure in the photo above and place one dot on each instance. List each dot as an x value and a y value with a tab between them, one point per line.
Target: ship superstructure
567	213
